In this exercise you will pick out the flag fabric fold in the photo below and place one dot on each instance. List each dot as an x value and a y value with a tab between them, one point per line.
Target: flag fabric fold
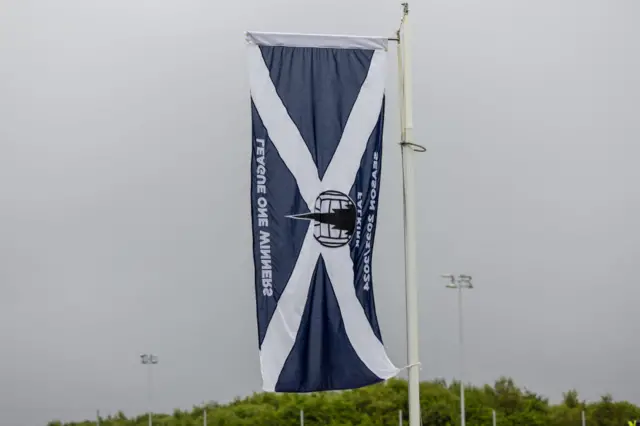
317	108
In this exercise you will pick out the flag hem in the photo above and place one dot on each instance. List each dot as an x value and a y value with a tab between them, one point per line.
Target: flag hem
317	40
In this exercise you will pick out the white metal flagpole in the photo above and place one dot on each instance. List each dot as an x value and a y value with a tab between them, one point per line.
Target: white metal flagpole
408	149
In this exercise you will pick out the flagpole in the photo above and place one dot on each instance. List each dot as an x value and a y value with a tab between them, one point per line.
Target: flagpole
408	148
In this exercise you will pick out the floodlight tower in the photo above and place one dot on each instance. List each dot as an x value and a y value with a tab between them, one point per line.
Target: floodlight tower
460	282
149	360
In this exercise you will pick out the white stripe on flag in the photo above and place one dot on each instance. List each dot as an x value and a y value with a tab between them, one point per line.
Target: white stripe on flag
369	349
282	131
285	322
364	115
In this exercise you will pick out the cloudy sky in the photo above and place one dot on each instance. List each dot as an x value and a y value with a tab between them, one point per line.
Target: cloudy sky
124	195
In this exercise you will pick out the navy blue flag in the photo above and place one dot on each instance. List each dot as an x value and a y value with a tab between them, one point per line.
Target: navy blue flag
317	108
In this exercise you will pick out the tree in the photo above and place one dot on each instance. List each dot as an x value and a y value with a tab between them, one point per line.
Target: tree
378	405
570	398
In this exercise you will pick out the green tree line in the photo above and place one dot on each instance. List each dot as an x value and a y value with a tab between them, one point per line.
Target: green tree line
380	405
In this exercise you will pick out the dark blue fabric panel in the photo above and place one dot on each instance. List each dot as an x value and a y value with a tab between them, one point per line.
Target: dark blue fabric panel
318	88
366	194
322	357
277	239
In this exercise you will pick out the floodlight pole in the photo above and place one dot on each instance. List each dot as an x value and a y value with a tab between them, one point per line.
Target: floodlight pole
460	282
149	360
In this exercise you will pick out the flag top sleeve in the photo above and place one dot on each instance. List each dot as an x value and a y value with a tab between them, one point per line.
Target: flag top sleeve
317	114
317	41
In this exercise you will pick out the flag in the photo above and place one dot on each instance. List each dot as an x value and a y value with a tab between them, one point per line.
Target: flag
317	109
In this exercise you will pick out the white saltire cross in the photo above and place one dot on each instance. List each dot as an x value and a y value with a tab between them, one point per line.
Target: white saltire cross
340	175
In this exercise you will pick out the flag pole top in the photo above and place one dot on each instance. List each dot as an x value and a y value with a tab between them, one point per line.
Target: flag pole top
405	12
405	81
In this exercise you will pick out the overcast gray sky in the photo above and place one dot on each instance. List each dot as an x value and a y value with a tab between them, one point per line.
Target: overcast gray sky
124	195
